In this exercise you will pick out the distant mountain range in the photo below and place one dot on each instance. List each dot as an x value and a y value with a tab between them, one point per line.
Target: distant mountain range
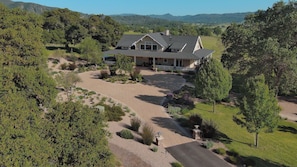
136	19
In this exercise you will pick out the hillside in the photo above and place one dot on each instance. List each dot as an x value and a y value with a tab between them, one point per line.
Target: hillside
31	7
206	18
132	19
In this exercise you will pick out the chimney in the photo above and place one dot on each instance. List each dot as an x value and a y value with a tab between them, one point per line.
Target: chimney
167	33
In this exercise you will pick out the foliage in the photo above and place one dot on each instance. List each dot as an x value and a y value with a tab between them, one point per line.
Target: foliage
126	134
155	149
220	151
176	164
259	107
113	113
25	85
209	129
257	46
78	136
208	144
123	64
90	50
195	119
237	138
67	81
135	123
212	82
62	26
147	134
64	66
173	110
135	75
72	66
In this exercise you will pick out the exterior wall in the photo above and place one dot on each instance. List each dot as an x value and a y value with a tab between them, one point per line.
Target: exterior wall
142	61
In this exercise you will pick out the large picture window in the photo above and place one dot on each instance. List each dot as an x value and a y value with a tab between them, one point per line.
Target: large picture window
149	46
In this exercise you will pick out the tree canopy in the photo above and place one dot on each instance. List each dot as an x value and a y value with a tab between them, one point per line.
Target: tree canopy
259	107
212	82
265	44
67	134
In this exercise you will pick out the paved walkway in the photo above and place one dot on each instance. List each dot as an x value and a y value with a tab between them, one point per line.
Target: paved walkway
193	155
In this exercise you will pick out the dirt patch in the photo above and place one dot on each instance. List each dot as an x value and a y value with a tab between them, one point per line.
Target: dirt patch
288	108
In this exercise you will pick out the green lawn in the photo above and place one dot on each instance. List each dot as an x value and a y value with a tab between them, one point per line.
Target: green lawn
213	43
275	149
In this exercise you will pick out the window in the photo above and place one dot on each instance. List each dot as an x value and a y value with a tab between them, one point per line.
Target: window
165	60
149	46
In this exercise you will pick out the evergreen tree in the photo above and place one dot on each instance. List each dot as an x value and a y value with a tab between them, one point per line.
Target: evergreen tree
259	107
212	82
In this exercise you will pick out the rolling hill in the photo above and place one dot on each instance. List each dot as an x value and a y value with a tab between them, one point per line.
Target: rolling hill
132	19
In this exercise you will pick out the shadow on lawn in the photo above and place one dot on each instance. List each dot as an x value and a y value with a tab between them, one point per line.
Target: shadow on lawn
255	161
227	140
287	129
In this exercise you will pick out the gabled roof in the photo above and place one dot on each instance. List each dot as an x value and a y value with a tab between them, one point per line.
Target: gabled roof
128	40
185	45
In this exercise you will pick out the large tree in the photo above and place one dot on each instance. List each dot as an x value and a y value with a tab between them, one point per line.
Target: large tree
78	136
258	107
26	86
212	82
91	50
265	44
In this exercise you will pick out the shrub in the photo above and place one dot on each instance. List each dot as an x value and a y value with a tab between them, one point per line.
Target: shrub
147	134
232	159
220	151
136	76
209	129
113	113
176	164
64	66
195	119
155	149
135	123
72	66
173	110
56	61
126	134
249	162
103	74
208	144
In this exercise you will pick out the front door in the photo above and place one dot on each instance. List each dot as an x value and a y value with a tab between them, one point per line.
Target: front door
179	62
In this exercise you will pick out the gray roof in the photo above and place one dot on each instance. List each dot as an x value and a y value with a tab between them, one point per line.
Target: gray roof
167	55
128	40
185	44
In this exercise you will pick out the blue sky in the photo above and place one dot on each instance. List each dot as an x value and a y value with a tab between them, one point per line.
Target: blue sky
174	7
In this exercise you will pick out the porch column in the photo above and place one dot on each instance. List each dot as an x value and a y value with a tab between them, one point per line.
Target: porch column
135	60
174	63
154	63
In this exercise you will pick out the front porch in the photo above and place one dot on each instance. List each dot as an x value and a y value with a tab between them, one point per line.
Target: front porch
165	64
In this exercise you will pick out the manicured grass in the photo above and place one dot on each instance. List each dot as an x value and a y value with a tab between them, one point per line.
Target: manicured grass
213	43
275	149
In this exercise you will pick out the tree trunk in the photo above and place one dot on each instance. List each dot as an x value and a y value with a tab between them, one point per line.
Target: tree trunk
256	139
213	105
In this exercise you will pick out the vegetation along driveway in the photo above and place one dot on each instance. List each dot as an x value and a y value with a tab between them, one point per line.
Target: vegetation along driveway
145	100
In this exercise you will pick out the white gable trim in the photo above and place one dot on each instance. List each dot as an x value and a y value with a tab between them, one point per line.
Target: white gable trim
148	35
198	44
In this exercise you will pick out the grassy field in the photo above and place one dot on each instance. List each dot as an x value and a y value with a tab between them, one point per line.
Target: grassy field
213	43
275	149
